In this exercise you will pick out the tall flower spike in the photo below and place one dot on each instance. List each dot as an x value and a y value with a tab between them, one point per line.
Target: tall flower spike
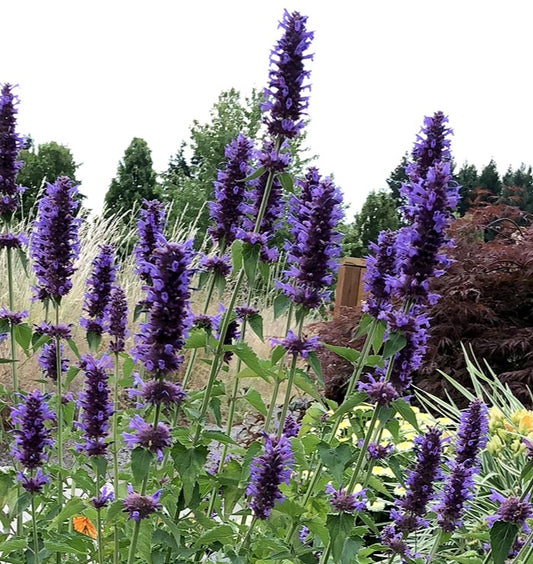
420	483
140	506
230	191
95	404
150	229
32	438
47	360
314	249
471	439
117	319
169	318
285	103
97	295
267	472
10	145
54	241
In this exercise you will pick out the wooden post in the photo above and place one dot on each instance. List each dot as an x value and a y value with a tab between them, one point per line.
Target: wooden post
349	284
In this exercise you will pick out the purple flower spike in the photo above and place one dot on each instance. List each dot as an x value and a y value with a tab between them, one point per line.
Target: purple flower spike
245	312
10	145
379	452
140	506
169	319
12	317
345	502
117	319
291	427
32	437
106	496
47	360
315	247
297	346
220	266
97	295
471	439
284	103
150	229
511	510
35	483
379	391
160	392
420	483
230	191
155	439
60	331
267	472
54	241
432	146
95	404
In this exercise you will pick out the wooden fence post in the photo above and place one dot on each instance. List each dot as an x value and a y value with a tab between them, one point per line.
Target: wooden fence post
349	284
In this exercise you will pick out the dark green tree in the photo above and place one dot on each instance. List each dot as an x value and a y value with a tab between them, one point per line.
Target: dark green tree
468	180
41	164
518	187
378	212
135	180
490	183
395	180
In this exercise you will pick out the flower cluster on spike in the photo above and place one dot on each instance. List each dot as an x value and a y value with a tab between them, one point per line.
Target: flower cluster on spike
47	360
471	439
169	318
150	230
97	295
32	439
285	104
96	405
230	191
312	253
117	319
420	485
10	145
267	472
139	506
54	241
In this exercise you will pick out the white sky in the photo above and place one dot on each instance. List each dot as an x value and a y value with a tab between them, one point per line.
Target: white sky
93	75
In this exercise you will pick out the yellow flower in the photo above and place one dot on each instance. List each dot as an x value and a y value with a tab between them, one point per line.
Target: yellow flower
378	505
382	471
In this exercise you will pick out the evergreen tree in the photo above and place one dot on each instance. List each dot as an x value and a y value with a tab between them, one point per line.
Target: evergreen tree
468	179
378	212
135	180
522	179
395	180
41	164
490	183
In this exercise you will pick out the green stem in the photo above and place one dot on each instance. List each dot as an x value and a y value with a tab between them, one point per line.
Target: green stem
134	539
13	343
36	557
115	455
247	536
436	545
59	420
325	554
99	538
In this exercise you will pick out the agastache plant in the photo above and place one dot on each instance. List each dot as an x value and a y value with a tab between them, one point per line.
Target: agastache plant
150	230
97	295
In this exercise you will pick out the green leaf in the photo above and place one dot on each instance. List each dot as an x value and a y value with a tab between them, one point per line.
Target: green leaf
250	258
256	323
23	335
73	347
93	340
7	361
197	339
281	305
377	337
286	181
350	549
502	536
71	374
253	397
351	355
37	341
12	545
302	381
140	463
335	459
365	323
348	404
23	260
278	352
314	363
339	527
70	508
218	436
259	172
5	326
248	356
138	311
406	411
236	255
394	343
189	463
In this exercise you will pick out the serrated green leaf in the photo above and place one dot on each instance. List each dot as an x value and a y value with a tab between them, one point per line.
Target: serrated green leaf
93	340
406	411
351	355
73	347
502	536
278	352
11	545
339	527
314	363
189	463
218	436
23	260
335	459
378	335
302	381
236	255
395	342
256	323
253	397
286	181
250	258
72	372
281	305
23	335
70	508
197	339
222	533
250	358
365	323
259	172
141	460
